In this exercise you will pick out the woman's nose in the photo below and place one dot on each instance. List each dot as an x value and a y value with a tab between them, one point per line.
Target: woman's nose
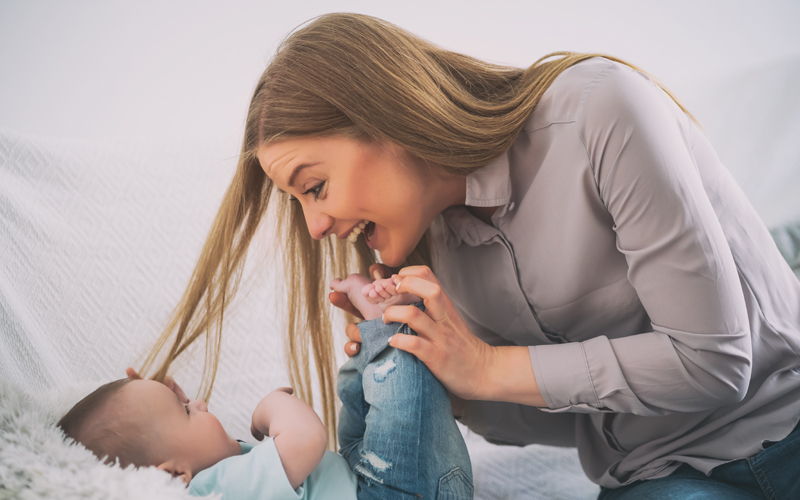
199	405
319	224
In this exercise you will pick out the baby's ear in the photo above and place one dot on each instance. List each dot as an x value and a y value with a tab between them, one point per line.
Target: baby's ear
176	471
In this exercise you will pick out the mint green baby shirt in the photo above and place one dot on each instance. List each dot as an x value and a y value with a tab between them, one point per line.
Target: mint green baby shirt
258	474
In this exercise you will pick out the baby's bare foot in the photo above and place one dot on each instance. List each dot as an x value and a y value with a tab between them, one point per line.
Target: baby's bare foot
383	293
352	286
380	290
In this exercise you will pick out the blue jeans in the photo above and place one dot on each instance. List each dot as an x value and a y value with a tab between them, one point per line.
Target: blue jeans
773	474
396	427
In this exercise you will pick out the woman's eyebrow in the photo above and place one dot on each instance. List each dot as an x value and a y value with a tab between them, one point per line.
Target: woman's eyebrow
296	171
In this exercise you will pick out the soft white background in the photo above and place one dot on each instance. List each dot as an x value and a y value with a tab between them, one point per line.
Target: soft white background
186	68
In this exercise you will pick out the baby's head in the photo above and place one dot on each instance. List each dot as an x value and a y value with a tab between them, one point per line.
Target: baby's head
144	423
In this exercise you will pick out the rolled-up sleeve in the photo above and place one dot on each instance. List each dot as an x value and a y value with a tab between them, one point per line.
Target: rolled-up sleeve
698	354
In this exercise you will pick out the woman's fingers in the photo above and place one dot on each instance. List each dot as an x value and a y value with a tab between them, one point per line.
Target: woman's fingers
423	272
413	344
341	301
352	332
443	342
354	346
132	374
379	271
436	303
419	321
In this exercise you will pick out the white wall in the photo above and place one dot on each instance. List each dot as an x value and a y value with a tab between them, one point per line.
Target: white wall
149	68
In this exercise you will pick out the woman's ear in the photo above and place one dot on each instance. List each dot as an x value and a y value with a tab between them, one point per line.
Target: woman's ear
176	471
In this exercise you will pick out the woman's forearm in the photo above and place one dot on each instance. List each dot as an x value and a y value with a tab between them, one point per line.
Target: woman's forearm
509	377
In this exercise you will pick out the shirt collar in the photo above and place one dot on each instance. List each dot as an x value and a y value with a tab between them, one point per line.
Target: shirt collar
489	186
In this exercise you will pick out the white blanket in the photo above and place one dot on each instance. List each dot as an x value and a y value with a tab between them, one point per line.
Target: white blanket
98	241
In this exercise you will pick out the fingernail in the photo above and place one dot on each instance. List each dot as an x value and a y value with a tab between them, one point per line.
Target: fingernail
353	348
397	288
376	274
390	340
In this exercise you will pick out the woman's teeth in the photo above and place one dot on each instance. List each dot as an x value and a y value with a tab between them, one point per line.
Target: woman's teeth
353	236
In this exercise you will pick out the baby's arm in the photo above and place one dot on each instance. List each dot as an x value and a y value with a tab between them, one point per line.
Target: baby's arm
297	431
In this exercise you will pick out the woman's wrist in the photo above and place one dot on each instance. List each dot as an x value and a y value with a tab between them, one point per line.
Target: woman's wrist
509	377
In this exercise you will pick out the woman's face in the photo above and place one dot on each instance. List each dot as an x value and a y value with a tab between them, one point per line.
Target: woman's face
342	182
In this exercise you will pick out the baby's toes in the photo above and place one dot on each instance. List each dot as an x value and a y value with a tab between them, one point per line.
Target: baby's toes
371	296
382	291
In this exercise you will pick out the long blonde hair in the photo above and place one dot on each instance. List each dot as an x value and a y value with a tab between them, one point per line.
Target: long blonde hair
360	77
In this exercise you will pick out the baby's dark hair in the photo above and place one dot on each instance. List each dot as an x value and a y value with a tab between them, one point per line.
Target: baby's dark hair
107	431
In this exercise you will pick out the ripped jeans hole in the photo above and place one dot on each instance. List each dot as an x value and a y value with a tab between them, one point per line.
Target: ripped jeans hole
371	466
383	370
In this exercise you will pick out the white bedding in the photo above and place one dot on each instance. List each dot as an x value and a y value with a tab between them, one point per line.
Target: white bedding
99	239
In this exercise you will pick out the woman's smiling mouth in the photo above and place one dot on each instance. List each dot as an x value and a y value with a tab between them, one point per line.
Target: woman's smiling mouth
353	235
365	227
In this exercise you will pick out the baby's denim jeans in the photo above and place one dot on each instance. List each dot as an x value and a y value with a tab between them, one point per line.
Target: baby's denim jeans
396	427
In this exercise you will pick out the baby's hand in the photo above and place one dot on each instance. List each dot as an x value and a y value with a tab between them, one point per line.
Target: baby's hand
262	415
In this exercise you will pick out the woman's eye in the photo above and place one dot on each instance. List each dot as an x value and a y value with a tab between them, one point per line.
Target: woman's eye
316	190
187	408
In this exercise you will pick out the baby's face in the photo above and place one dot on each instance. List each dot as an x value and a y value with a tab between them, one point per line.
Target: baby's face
189	435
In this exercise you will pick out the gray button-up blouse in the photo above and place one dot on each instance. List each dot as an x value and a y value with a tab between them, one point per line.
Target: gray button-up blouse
663	323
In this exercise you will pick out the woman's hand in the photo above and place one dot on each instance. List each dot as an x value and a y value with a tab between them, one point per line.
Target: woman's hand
455	356
340	300
168	381
468	367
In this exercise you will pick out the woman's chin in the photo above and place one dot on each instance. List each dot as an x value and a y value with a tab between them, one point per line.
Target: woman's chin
391	257
391	260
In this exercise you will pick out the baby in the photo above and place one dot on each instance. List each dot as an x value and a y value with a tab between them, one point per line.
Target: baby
397	434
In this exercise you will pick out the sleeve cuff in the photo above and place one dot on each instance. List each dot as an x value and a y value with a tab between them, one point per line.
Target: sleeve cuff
564	378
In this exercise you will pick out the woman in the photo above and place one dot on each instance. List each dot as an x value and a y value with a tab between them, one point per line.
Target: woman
590	256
